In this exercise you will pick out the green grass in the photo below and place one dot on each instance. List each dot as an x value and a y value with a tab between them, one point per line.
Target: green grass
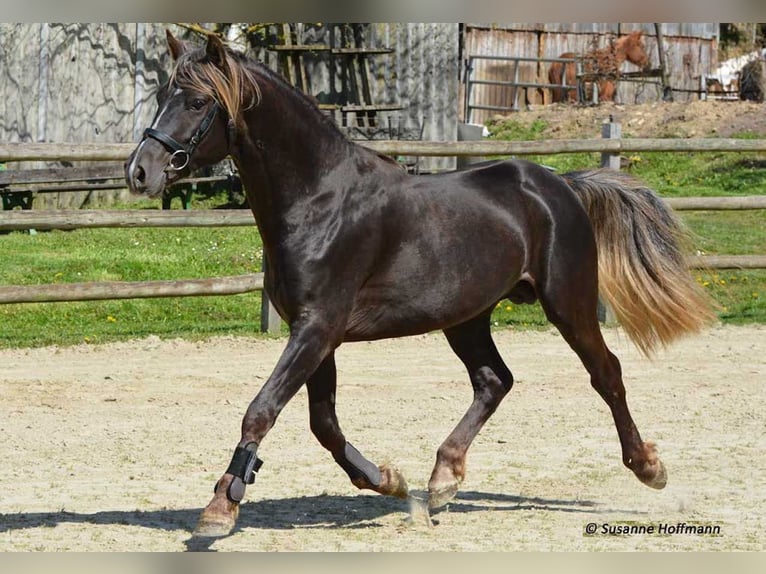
150	254
127	255
676	174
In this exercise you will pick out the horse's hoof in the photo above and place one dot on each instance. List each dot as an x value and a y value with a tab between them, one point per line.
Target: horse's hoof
214	525
652	473
441	495
660	478
213	528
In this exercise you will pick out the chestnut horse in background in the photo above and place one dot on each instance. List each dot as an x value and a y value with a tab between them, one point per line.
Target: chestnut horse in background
603	62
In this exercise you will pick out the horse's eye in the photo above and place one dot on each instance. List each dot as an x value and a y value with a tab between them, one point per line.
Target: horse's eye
198	104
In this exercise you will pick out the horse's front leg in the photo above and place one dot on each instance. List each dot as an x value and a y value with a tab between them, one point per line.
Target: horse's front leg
309	343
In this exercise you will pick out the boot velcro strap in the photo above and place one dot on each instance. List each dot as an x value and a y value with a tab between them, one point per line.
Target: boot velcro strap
245	463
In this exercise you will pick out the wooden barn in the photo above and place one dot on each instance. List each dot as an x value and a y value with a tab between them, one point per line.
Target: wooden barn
496	55
92	82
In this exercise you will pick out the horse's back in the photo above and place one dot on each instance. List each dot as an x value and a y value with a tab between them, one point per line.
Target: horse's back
454	244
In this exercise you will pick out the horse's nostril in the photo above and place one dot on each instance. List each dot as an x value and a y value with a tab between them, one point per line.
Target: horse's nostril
139	174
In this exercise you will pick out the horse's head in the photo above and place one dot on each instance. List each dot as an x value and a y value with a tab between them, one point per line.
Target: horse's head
192	127
633	49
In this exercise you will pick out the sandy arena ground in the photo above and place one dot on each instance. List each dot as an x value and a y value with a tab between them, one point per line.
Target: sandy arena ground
117	447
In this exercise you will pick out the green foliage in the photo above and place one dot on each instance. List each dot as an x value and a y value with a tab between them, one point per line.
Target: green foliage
672	174
507	314
511	130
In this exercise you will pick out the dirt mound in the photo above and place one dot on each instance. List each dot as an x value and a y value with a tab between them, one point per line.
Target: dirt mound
712	118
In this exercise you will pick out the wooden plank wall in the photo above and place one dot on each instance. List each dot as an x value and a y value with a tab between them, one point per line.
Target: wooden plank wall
691	50
97	82
79	83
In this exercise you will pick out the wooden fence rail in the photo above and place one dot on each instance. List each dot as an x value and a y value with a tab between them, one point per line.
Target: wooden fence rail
237	284
717	203
100	290
610	147
10	152
68	219
75	219
64	219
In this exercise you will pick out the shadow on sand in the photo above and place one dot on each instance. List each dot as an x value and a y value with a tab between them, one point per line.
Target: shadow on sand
324	511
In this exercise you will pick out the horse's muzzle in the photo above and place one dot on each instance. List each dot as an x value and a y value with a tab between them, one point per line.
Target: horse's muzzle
138	177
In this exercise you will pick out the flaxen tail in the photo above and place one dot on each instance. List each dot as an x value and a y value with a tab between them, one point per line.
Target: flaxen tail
642	270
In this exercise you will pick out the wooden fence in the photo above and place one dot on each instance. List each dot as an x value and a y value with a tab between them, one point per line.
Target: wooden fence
610	146
10	152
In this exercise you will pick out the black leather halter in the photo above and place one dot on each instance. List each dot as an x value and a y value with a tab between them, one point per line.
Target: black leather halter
180	153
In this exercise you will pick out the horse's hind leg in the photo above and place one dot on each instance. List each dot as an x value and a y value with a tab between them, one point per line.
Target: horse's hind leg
324	424
570	305
491	381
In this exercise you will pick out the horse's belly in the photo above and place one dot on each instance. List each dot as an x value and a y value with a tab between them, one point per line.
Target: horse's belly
426	289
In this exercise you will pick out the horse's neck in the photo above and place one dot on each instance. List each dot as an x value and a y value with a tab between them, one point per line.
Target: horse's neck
290	139
283	153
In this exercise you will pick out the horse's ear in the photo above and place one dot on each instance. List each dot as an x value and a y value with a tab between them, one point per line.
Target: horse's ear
216	51
177	47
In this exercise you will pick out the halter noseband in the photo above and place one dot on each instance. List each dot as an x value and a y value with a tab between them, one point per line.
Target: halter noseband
181	154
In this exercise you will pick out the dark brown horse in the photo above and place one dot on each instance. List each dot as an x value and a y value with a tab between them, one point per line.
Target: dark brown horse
360	250
602	62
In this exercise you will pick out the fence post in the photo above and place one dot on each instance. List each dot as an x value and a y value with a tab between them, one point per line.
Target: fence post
271	322
667	90
609	130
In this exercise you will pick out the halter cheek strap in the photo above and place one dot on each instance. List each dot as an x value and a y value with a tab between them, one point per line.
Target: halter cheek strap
181	154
